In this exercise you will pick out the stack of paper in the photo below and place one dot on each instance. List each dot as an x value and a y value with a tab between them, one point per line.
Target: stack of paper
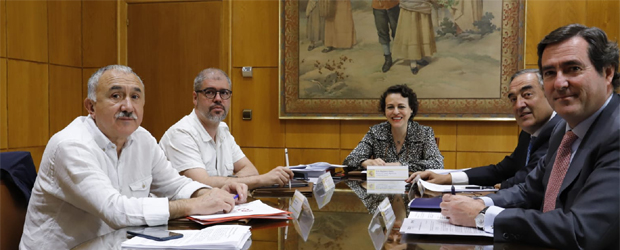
232	237
251	210
314	170
436	224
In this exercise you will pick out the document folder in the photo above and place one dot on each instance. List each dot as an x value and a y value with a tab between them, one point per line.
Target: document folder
425	204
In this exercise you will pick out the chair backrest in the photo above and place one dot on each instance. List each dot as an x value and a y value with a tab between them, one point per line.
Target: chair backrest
17	177
12	215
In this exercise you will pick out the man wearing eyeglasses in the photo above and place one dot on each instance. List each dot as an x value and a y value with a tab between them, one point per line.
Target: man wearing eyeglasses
201	147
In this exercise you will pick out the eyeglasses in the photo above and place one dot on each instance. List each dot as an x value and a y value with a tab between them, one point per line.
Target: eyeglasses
211	92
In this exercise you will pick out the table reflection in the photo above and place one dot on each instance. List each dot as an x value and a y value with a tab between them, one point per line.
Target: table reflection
340	224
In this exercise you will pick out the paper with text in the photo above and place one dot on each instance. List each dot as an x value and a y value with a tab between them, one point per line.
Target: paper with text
434	223
387	173
215	237
246	210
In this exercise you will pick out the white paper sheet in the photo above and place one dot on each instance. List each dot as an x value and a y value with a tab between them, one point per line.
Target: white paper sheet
436	224
457	188
387	173
215	237
447	171
251	208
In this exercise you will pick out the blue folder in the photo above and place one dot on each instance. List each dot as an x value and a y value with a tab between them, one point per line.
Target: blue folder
425	204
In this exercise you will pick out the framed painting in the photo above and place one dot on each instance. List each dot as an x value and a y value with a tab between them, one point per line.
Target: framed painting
339	56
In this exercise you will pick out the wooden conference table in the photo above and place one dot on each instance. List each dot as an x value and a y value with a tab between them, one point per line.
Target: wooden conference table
341	224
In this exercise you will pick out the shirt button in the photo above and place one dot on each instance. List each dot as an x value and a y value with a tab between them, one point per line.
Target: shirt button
143	186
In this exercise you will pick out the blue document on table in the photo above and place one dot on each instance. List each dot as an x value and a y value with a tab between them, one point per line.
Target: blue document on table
425	204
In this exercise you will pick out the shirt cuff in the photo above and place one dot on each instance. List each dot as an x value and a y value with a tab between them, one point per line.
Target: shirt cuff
459	178
156	211
489	218
189	189
487	201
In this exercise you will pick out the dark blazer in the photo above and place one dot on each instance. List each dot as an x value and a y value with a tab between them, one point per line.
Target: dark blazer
588	204
513	169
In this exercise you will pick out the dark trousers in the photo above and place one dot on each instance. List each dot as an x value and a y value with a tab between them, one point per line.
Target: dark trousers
386	20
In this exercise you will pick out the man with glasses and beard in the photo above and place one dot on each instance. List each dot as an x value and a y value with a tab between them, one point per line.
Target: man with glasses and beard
201	147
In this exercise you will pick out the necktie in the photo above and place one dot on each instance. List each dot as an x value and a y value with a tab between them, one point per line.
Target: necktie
529	149
562	160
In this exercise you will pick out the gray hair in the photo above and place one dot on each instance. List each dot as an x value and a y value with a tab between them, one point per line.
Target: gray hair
93	81
527	71
210	74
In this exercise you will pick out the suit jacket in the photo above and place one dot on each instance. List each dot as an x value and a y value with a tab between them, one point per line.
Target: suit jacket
587	205
513	169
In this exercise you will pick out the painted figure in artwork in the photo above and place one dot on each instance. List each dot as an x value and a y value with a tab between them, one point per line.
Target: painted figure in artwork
386	20
339	27
415	39
315	27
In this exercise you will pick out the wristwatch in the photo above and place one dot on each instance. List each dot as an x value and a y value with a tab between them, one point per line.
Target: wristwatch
480	218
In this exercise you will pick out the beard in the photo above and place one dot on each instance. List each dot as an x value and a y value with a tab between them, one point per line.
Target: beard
217	118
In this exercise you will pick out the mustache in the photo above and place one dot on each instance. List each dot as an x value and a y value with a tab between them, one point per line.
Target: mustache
216	105
125	114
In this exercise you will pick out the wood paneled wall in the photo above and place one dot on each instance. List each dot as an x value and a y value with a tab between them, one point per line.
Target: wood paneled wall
463	144
48	49
185	36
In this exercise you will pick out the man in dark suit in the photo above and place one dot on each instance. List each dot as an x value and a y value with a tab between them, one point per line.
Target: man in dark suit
570	200
536	119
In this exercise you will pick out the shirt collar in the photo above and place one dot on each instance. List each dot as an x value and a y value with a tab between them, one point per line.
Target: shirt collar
535	134
204	135
201	129
582	128
101	139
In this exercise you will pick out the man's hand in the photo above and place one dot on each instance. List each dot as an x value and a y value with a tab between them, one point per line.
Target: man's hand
498	186
461	210
237	188
279	175
442	179
373	162
212	201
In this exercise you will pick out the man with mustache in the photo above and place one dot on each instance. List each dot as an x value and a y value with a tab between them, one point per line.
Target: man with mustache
201	147
96	174
570	200
536	119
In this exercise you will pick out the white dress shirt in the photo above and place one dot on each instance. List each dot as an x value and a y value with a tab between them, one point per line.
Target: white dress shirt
188	145
84	190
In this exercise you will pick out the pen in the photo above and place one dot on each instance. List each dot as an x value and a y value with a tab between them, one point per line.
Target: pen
286	158
453	191
286	155
236	196
480	187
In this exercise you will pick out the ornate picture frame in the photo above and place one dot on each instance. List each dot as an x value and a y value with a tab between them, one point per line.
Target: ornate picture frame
319	82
